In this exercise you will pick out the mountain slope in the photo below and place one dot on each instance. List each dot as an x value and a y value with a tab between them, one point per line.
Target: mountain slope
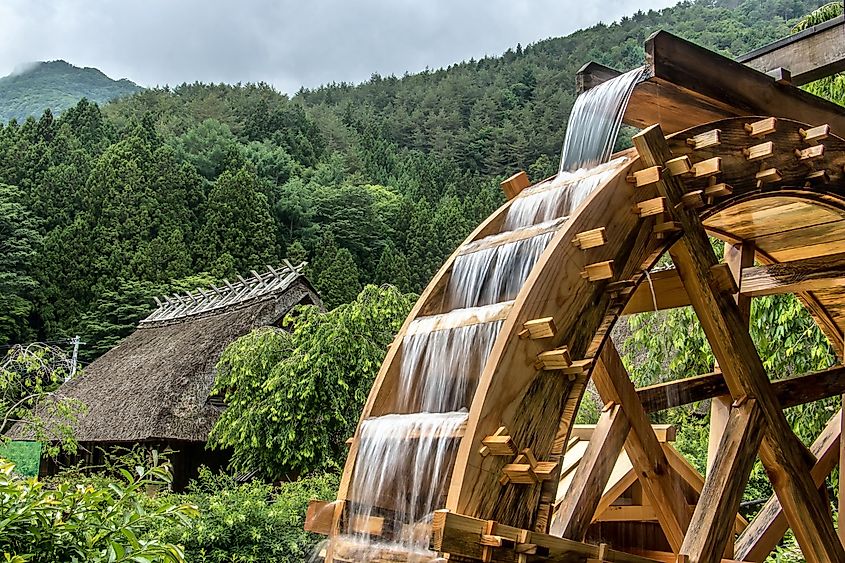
56	85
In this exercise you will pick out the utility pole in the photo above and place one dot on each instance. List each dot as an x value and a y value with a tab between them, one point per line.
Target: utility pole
75	341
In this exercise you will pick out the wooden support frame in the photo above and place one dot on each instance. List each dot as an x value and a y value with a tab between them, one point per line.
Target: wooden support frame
782	453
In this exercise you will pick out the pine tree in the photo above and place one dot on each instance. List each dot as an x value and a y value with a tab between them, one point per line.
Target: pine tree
19	243
393	268
338	283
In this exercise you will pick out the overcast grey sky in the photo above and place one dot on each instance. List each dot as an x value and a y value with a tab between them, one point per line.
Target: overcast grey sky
287	43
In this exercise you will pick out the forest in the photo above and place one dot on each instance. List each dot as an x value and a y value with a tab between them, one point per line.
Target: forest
374	185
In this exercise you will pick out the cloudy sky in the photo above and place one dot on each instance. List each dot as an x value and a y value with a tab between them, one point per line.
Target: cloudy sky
289	43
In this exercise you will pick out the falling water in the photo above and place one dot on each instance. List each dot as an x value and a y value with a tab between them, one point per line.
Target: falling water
440	368
494	274
595	120
558	197
406	487
404	459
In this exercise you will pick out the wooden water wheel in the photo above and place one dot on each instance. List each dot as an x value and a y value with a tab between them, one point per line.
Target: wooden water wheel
774	190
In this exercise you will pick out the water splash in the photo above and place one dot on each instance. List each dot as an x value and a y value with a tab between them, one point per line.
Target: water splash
595	120
440	366
391	501
494	274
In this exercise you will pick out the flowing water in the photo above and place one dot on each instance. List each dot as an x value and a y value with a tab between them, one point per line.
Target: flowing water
404	459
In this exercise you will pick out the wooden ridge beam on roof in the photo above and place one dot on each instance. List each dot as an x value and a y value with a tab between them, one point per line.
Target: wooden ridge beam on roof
808	55
782	454
686	85
790	392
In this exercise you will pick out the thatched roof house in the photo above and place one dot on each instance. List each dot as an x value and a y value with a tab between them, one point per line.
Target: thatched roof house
153	388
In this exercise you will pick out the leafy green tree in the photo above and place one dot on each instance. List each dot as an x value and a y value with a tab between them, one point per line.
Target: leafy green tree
338	281
19	246
211	148
294	397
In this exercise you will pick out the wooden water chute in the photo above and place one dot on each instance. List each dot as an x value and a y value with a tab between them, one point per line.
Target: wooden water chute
762	185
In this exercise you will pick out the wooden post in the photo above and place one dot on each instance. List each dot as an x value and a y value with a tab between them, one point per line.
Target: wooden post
662	486
579	506
783	455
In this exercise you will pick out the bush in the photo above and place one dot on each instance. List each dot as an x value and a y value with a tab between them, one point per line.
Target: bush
77	521
246	522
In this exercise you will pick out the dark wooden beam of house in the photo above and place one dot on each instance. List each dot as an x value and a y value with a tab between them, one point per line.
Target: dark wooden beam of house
725	483
662	486
790	392
818	272
808	55
767	529
579	505
781	452
686	85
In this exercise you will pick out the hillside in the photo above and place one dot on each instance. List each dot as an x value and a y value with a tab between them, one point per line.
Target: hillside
376	182
56	85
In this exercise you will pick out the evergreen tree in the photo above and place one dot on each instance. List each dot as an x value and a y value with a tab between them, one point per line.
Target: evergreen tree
339	282
238	223
19	245
393	268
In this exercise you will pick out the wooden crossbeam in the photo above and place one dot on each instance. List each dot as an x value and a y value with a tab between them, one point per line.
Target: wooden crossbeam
810	54
461	536
782	453
709	532
808	274
582	499
663	487
761	536
790	392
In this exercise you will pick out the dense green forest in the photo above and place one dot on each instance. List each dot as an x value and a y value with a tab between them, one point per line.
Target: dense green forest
56	85
105	206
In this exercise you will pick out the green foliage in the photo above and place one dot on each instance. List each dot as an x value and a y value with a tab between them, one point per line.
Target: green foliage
88	522
28	377
294	397
56	85
25	455
244	522
19	245
819	15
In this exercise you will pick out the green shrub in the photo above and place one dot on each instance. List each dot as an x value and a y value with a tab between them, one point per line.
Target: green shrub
246	522
75	521
25	455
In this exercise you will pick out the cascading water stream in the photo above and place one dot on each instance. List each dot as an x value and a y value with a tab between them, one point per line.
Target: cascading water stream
404	459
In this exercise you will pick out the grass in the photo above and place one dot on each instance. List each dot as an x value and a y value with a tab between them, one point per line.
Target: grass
25	455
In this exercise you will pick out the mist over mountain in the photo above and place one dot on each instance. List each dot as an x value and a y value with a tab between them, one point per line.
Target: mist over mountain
58	85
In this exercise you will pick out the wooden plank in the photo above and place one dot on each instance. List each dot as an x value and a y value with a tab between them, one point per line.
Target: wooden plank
689	85
592	74
590	239
782	453
810	54
808	274
663	487
319	516
709	532
790	392
540	328
579	505
663	432
460	535
515	184
759	539
664	286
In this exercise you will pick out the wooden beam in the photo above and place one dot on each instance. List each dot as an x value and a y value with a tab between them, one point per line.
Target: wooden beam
709	532
579	505
810	54
782	454
664	286
663	487
592	74
761	536
790	392
460	535
689	85
663	432
808	274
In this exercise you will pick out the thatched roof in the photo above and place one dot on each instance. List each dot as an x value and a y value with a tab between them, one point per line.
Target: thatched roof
155	384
